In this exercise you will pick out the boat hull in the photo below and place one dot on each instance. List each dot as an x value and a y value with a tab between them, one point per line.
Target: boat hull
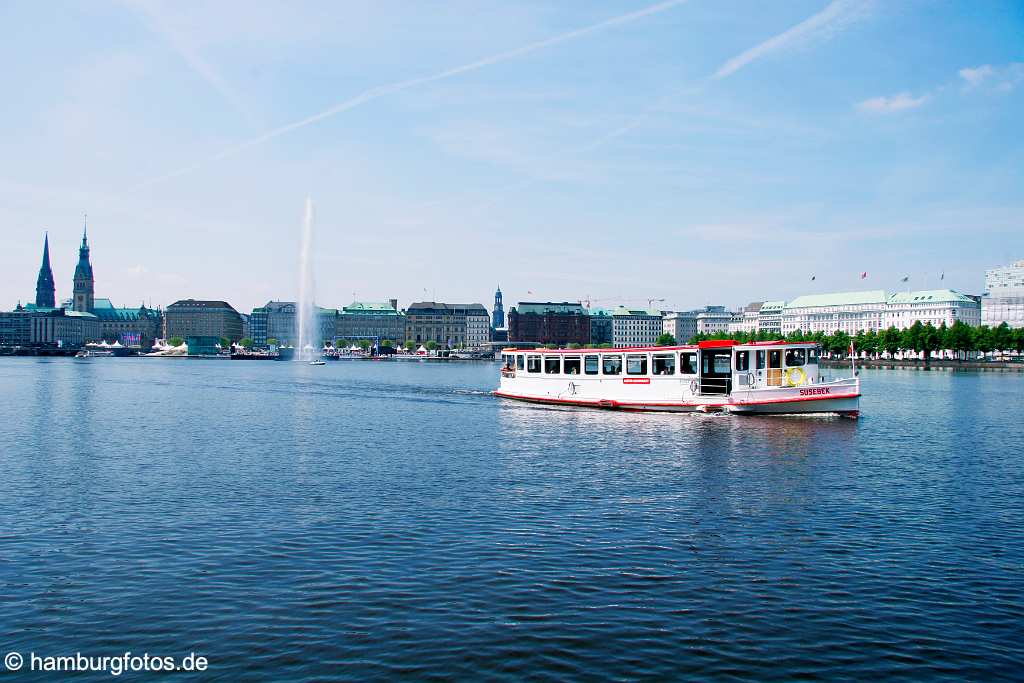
846	405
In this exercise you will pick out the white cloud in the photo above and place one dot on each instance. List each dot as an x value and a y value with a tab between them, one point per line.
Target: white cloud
976	75
837	16
1002	78
893	103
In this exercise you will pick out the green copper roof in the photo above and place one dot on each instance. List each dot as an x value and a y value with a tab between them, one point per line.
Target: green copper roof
370	308
874	296
622	310
540	308
105	310
930	296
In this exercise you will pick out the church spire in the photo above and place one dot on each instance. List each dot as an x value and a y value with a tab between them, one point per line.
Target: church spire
84	282
45	291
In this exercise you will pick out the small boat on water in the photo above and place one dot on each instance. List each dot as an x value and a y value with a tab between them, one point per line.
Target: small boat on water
712	376
317	362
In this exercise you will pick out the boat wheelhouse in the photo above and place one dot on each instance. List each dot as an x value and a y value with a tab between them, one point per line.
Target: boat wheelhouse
722	376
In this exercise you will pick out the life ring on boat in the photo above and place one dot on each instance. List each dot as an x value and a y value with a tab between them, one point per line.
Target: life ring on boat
693	387
795	377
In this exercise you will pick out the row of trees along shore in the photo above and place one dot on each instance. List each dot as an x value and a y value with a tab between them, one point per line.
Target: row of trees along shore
960	340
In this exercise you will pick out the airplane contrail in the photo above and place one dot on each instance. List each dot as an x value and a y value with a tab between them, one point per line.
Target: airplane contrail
398	86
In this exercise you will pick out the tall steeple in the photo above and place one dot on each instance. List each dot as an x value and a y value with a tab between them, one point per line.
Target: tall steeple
84	295
45	291
498	317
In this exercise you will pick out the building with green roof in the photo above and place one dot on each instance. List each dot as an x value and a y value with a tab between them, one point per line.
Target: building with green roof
549	322
635	326
132	327
935	306
380	320
876	309
848	312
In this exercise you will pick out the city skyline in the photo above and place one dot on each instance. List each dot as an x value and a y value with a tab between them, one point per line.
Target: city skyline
631	150
904	283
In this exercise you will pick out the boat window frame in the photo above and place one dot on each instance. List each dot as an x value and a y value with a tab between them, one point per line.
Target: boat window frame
742	361
596	357
614	357
548	357
792	352
634	357
671	357
814	356
520	361
577	360
694	363
761	359
530	360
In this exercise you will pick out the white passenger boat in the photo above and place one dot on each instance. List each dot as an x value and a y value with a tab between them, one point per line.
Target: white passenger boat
712	376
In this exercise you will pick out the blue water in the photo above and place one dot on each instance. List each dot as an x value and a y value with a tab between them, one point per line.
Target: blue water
374	520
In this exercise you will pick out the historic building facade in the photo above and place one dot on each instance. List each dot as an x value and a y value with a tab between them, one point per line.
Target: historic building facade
202	318
132	327
467	325
549	323
935	306
600	326
370	320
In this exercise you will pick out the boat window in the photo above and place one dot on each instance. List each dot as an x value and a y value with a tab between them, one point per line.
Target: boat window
509	361
520	361
664	363
552	365
795	358
688	363
742	361
716	363
636	364
572	365
812	356
591	364
760	360
612	365
533	363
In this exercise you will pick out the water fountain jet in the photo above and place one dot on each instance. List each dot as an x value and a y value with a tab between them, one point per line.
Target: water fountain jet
307	320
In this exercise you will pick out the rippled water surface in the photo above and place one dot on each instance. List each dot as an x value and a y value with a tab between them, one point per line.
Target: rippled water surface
376	520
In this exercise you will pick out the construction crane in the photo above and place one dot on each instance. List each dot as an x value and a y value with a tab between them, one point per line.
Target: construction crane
650	302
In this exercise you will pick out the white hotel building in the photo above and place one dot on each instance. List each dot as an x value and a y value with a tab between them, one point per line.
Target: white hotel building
849	312
852	312
935	306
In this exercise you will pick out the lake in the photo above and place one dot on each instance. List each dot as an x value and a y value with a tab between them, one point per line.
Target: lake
374	520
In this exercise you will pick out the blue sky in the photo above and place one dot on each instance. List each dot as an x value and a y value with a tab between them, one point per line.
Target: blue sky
698	152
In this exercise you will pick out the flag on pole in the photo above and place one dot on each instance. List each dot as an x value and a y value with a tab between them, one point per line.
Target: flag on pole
905	278
943	275
864	275
813	277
